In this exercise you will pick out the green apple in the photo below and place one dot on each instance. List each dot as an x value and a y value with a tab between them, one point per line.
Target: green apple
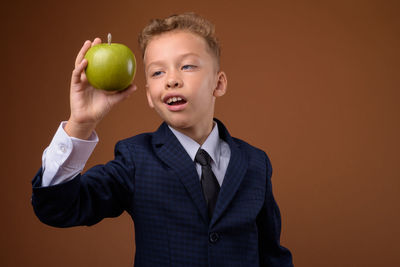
111	66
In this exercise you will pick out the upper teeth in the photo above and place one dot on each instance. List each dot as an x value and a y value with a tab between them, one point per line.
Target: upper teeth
173	99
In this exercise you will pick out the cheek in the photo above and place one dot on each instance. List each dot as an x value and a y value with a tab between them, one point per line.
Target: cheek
149	98
202	80
154	87
153	94
151	83
206	87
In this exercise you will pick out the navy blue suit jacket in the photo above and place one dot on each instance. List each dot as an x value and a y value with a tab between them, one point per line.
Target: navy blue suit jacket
153	178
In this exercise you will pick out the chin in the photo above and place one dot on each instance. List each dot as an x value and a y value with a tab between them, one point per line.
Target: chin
174	120
178	123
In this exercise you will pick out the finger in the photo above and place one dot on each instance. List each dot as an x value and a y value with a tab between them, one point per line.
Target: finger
96	41
76	73
118	97
82	53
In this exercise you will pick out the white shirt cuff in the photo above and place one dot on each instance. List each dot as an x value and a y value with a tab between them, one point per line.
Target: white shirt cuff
66	156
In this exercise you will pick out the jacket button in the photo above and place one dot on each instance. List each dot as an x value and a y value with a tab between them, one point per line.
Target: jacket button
213	237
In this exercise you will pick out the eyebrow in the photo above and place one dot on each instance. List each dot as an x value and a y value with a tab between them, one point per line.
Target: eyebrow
159	62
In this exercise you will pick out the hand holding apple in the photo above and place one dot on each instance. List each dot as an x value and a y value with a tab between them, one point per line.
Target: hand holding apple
111	66
89	105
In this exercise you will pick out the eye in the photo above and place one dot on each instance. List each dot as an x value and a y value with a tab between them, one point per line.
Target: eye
157	73
187	67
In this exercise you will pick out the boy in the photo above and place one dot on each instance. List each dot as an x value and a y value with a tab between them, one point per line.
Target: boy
198	197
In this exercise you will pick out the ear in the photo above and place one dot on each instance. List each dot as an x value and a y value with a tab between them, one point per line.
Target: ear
222	84
149	100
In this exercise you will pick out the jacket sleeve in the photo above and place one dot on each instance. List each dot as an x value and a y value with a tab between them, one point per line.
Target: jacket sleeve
103	191
272	254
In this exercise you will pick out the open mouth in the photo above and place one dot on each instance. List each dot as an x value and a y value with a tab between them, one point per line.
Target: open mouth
174	101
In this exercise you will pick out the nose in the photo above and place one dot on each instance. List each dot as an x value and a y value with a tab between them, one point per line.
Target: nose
174	81
172	84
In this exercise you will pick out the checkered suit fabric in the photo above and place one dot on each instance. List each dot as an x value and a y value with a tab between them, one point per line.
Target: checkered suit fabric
155	181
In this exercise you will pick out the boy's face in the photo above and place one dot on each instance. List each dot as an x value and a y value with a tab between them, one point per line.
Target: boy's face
182	80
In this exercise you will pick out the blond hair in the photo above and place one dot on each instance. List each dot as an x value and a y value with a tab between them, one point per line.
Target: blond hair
187	21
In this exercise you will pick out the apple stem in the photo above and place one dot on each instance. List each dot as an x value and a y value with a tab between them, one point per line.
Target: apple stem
109	38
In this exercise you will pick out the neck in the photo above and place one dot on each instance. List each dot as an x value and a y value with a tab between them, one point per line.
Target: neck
198	133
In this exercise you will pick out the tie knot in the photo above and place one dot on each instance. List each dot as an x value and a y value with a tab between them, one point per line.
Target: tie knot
202	157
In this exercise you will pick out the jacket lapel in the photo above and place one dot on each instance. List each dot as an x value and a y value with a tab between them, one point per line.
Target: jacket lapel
235	173
172	153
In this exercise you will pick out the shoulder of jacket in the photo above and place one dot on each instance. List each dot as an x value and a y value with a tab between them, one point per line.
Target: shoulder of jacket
143	139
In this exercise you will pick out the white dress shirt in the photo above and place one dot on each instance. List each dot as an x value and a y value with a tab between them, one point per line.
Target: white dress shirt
217	148
66	156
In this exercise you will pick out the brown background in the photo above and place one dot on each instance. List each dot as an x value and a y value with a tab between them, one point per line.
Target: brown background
313	83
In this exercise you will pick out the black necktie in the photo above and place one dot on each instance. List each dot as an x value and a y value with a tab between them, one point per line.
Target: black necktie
208	180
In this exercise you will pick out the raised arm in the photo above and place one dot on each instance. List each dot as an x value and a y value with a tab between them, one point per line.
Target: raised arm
89	105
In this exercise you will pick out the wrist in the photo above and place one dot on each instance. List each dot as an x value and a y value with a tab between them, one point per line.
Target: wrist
79	130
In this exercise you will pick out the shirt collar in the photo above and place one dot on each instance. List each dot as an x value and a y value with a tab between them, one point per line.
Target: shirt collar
211	145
